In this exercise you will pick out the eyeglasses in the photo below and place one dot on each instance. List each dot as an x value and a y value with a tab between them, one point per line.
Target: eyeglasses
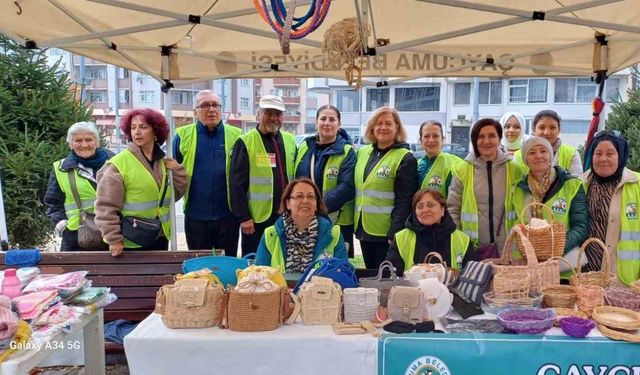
299	197
613	133
208	106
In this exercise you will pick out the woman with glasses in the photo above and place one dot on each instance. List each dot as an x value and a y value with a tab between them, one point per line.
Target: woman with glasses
135	184
430	229
331	156
480	197
546	124
613	196
434	168
386	177
513	124
302	233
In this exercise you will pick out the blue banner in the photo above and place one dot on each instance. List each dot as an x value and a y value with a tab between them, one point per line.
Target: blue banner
458	354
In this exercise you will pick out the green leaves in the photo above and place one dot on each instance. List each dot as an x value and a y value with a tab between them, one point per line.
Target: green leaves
625	117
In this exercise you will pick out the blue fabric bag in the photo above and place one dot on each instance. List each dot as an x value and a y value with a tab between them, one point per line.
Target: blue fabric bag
224	267
336	269
22	258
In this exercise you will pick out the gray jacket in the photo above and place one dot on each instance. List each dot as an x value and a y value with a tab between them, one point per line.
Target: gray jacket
483	195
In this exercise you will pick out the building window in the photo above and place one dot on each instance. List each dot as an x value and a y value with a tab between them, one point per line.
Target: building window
575	126
147	96
244	103
528	90
574	90
244	82
96	72
124	96
182	97
377	98
612	90
55	51
491	92
123	73
97	96
462	93
348	100
418	98
291	93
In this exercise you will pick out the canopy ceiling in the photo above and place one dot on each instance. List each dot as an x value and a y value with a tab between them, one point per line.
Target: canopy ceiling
494	38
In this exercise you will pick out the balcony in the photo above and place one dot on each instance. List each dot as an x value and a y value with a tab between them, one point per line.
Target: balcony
97	83
286	82
293	100
87	61
288	118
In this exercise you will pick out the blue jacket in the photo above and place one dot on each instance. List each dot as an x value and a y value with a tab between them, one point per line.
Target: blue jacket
345	191
263	256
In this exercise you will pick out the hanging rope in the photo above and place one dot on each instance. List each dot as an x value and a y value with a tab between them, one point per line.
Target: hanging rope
342	46
286	25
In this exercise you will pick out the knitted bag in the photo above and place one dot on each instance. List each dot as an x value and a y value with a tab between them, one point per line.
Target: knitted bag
360	304
321	300
474	281
189	303
406	304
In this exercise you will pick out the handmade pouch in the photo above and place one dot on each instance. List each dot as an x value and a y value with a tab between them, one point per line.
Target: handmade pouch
356	328
406	304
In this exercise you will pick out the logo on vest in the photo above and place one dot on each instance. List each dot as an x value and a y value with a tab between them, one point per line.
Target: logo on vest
631	211
384	172
435	182
332	173
559	206
427	365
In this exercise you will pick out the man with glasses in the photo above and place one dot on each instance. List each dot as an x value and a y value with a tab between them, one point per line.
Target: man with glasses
261	167
204	148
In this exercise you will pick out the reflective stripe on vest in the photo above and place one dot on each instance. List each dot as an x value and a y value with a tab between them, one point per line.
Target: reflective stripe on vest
260	194
406	241
86	192
274	246
375	195
188	143
628	249
344	216
141	192
469	208
437	176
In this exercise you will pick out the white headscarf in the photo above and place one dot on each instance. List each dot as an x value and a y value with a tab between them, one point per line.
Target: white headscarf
517	144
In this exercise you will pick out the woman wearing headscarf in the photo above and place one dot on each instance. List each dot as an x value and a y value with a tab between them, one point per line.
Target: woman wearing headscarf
482	187
554	187
302	233
135	182
613	196
83	162
513	124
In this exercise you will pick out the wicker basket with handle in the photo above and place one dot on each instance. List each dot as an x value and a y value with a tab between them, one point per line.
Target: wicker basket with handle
548	241
600	278
541	274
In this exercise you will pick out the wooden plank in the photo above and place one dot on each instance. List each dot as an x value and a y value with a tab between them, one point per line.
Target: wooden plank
114	269
128	257
131	315
132	280
135	292
148	304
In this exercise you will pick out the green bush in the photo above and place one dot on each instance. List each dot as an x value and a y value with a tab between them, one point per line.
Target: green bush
625	117
37	105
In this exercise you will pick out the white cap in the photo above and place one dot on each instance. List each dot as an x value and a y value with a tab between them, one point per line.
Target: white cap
272	101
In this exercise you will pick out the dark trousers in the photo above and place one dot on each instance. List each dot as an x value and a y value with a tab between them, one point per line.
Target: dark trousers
250	242
374	253
162	243
213	234
347	236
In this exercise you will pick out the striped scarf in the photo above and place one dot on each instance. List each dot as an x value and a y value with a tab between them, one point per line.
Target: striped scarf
300	244
598	199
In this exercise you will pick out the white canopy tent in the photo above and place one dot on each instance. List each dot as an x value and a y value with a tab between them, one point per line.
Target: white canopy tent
191	41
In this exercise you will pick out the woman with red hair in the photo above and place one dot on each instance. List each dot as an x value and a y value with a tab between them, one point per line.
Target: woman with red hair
133	192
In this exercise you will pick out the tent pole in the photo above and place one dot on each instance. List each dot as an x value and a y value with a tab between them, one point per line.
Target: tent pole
166	87
4	237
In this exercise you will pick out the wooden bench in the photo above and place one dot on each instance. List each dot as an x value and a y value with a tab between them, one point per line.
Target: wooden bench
134	277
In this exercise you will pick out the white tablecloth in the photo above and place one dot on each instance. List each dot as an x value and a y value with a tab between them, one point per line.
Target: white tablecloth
153	348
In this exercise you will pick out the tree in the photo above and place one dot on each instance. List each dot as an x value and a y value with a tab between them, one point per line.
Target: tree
625	117
37	106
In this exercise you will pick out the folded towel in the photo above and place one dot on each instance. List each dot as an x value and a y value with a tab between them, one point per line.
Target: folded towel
31	305
8	320
22	258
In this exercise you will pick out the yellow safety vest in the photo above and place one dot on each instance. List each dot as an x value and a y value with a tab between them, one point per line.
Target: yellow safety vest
86	192
628	249
141	192
375	195
260	192
437	176
188	143
344	216
469	208
406	241
272	241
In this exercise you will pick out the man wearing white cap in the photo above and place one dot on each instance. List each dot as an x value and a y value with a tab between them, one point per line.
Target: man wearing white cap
262	165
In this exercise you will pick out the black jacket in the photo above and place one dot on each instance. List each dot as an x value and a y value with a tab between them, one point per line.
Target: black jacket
435	237
239	176
405	185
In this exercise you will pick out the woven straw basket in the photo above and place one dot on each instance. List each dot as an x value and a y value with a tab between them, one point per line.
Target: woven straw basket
541	274
589	297
600	278
547	242
189	303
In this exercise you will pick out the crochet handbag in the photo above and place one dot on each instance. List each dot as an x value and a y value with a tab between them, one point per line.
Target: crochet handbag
406	304
428	270
320	301
360	304
384	285
474	280
189	303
